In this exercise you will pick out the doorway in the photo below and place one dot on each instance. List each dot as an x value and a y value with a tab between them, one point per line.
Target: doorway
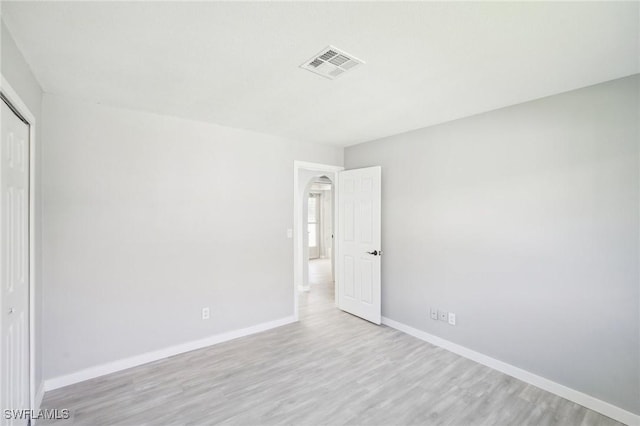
357	237
317	232
320	233
314	211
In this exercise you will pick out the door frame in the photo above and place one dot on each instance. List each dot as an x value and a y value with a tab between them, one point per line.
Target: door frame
17	103
298	258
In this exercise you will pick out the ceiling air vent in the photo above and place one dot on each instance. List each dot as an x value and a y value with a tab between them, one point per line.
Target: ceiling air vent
331	63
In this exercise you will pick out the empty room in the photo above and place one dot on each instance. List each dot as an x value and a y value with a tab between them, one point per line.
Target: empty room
320	213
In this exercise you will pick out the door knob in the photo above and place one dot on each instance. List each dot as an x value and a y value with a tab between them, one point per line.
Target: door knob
11	310
375	252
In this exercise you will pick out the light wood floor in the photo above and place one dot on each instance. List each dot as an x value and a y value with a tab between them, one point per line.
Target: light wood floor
329	369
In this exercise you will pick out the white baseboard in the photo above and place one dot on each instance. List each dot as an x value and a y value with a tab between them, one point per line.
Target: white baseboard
134	361
578	397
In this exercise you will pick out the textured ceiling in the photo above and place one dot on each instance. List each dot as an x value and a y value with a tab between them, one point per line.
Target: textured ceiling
236	64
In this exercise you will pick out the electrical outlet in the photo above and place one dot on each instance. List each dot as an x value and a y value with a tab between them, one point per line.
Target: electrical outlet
206	313
442	315
434	314
452	318
289	233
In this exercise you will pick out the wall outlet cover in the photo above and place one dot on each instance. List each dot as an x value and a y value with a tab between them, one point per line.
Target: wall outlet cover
434	314
452	318
443	315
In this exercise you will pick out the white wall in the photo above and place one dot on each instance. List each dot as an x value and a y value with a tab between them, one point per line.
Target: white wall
149	219
524	222
17	72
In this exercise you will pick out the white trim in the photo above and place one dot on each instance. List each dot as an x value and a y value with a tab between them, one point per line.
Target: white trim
17	103
578	397
336	233
134	361
332	173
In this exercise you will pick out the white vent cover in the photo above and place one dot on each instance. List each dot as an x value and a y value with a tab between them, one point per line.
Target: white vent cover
331	63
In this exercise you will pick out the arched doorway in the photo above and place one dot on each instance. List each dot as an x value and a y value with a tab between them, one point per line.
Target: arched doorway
311	178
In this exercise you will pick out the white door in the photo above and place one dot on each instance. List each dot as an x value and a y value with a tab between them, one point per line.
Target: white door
14	254
313	228
359	249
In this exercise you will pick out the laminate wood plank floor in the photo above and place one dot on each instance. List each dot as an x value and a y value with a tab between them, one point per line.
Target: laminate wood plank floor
328	369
